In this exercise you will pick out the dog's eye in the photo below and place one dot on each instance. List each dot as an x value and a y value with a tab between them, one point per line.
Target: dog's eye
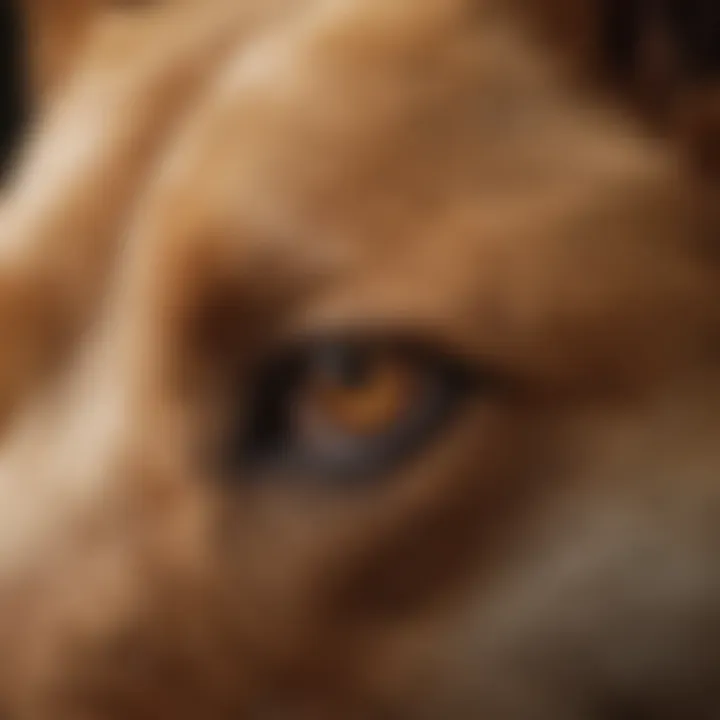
358	394
346	408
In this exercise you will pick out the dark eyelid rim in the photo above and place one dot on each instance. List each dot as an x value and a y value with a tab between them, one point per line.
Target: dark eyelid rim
278	370
413	344
287	365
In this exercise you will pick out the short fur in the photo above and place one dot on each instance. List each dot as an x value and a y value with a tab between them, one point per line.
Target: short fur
429	167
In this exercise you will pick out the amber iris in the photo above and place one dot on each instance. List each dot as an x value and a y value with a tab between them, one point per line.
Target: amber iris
359	392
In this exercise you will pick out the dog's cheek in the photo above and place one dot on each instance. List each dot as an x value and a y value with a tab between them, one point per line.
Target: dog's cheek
608	605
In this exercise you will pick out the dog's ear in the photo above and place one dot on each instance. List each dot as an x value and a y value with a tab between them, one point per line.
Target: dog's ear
692	29
661	56
54	31
673	60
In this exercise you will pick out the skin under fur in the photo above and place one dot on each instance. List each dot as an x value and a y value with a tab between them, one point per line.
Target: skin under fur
427	168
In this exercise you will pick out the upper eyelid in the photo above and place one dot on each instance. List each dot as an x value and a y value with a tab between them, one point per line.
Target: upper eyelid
415	346
298	315
414	335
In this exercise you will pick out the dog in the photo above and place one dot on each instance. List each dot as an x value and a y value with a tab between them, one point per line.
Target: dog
360	360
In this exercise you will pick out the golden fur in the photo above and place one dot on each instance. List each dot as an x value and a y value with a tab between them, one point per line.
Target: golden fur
267	169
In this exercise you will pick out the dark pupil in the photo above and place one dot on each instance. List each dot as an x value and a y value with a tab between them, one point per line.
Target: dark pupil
345	366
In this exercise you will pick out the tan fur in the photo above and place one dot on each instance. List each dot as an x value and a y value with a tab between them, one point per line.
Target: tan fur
421	167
